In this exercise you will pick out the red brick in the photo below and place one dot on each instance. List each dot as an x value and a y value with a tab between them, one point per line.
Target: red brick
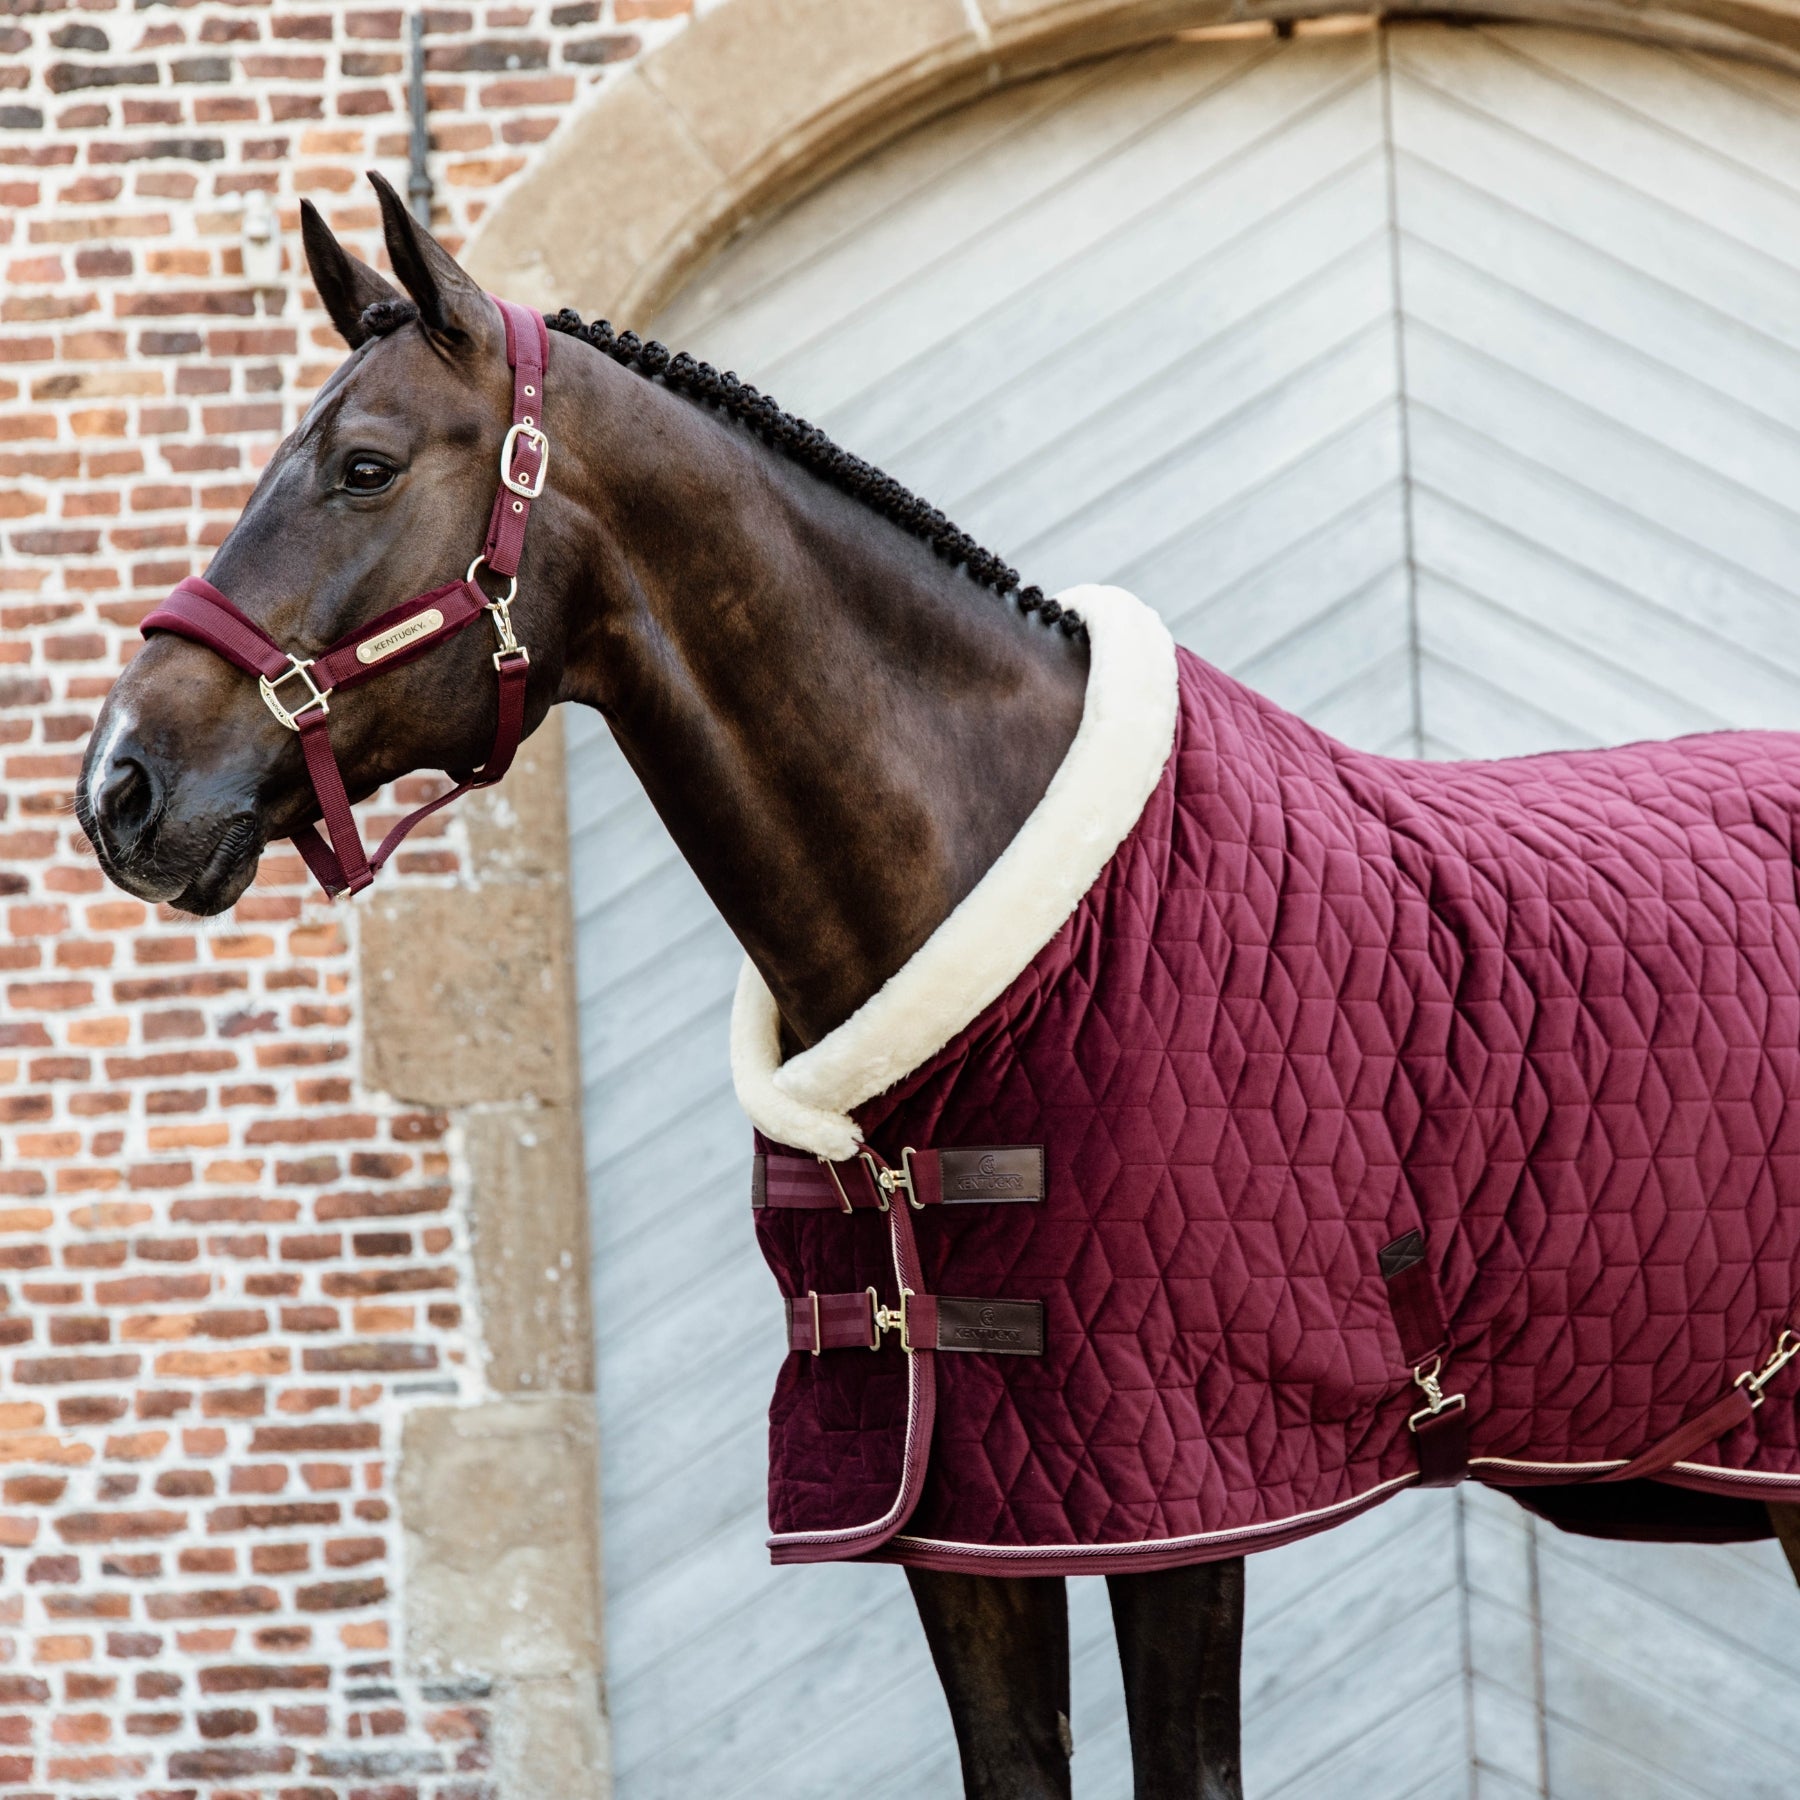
372	1358
341	1596
254	1678
395	1203
170	1063
152	1290
109	1527
361	1283
228	1721
224	1764
208	1559
287	1440
50	996
311	1131
42	1371
212	1603
350	1553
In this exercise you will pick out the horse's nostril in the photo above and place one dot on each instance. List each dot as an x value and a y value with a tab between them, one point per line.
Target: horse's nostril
127	801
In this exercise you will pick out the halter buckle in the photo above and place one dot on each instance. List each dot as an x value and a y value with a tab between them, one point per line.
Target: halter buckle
315	695
528	488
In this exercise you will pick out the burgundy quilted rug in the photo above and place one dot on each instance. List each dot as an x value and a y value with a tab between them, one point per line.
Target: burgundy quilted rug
1289	1021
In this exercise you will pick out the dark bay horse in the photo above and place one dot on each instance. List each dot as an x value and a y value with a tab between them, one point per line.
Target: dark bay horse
841	708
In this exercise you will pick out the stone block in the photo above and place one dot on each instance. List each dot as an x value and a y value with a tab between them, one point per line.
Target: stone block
1030	37
551	1739
760	72
519	831
602	198
500	1505
469	994
531	1263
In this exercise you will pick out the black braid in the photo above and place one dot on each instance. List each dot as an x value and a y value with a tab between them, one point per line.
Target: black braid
812	449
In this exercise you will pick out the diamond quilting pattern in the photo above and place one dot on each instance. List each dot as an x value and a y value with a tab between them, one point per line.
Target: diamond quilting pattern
1547	1009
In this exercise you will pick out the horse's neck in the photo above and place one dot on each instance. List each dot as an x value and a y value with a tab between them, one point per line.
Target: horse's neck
840	732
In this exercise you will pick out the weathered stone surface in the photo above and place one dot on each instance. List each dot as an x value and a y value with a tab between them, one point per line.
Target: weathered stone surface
580	240
500	1504
531	1264
519	831
1029	36
764	71
469	994
551	1739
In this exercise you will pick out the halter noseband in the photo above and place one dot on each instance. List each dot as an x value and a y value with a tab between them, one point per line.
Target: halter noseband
197	610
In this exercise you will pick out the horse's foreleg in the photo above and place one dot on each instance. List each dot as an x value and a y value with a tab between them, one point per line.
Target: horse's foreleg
1785	1517
1180	1635
1002	1652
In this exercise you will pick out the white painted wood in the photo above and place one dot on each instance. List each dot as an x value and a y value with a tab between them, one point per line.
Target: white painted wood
1443	384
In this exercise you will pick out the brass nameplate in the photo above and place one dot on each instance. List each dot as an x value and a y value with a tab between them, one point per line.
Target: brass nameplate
409	631
1013	1173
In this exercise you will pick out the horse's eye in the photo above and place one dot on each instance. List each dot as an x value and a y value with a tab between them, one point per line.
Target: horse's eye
365	475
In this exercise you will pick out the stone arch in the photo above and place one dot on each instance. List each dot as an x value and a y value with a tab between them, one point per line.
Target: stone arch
761	98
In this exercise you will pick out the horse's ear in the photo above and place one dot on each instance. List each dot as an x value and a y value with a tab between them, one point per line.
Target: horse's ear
451	305
346	285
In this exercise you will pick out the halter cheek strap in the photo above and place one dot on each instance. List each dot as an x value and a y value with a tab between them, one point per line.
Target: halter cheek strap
298	691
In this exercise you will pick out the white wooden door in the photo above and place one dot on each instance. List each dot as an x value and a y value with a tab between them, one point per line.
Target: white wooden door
1441	383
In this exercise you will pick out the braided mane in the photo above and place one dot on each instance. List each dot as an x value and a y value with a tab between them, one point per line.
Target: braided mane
808	446
802	443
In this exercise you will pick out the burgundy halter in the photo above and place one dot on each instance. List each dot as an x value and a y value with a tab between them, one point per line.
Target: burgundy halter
197	610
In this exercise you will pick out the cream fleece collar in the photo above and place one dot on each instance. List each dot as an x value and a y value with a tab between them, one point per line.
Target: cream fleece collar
1093	801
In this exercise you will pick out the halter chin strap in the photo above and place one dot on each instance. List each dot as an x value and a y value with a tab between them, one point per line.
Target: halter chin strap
298	690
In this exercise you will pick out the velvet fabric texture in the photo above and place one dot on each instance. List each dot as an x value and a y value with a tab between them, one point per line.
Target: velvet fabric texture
1545	1011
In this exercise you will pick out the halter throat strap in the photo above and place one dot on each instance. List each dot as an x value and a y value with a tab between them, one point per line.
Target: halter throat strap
299	690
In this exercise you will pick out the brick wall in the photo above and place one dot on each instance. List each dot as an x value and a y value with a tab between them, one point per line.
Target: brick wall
227	1266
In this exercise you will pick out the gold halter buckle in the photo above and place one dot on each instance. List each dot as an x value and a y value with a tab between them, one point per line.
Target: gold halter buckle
315	695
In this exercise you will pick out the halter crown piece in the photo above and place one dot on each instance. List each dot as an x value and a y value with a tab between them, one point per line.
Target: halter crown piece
298	690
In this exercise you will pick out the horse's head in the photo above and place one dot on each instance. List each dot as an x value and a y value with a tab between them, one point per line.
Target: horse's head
383	492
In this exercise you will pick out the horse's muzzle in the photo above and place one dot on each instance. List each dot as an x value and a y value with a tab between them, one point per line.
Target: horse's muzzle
151	847
124	800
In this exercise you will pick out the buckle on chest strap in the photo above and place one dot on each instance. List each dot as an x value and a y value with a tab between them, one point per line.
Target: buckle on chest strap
891	1318
315	695
530	487
891	1181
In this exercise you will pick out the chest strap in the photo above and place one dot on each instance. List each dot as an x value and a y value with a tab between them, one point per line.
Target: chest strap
981	1174
819	1322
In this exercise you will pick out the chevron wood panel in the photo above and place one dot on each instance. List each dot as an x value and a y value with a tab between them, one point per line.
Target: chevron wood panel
1441	383
1599	277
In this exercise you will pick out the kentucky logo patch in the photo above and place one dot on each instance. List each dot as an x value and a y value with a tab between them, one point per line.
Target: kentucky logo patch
1013	1173
409	631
